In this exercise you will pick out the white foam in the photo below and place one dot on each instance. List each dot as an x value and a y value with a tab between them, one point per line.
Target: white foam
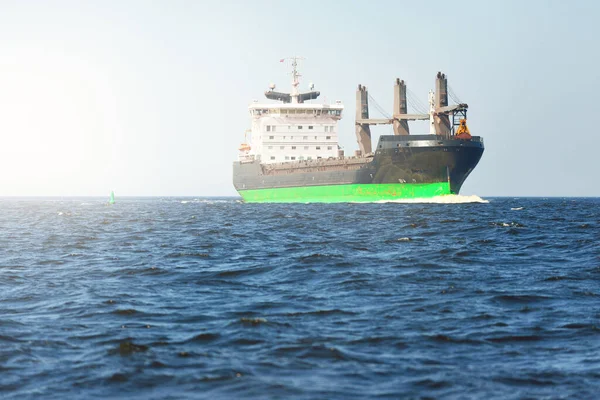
516	209
206	201
445	199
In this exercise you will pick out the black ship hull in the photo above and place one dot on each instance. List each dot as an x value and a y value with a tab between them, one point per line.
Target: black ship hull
400	167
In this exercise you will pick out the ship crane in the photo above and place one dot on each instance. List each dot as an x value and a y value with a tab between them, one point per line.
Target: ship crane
439	113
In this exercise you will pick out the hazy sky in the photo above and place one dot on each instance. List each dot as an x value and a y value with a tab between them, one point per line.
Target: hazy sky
150	98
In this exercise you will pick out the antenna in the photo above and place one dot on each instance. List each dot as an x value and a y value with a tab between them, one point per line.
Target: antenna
295	75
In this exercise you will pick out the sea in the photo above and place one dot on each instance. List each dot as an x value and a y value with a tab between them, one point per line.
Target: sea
212	298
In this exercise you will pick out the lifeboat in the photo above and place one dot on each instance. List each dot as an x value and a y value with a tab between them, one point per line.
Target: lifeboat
244	147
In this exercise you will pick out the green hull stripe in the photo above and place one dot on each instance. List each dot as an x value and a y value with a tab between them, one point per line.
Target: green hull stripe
346	193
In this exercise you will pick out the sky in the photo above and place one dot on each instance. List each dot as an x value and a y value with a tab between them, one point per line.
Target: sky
149	98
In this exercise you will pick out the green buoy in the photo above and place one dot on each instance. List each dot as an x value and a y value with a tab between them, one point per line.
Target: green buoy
111	200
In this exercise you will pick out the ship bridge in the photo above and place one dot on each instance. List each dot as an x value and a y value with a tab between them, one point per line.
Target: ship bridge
293	129
316	110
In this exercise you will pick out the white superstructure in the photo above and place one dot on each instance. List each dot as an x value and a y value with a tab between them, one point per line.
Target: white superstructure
293	130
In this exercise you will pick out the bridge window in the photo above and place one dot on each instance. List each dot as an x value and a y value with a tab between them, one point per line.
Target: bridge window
281	147
326	129
305	147
270	147
293	158
327	137
305	137
318	147
299	126
272	158
293	147
287	157
268	128
328	147
310	127
271	137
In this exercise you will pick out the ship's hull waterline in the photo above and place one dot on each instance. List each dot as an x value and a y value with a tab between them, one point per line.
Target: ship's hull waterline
347	193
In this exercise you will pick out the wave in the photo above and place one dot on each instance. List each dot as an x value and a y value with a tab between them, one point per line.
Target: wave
445	199
207	201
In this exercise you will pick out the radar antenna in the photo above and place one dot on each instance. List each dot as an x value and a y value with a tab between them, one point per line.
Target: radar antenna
295	96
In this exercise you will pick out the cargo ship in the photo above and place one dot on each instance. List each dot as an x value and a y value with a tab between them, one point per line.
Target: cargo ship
293	154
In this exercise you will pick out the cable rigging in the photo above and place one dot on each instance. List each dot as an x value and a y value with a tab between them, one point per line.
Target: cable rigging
415	103
453	95
379	108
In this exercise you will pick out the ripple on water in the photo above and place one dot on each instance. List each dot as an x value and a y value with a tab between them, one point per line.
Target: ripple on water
520	298
191	297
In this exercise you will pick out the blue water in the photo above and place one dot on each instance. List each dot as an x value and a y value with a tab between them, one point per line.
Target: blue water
212	298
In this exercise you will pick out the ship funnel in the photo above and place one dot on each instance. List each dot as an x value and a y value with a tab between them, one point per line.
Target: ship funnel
363	131
400	107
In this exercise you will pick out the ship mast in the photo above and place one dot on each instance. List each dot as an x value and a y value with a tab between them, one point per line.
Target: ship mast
294	97
432	113
295	81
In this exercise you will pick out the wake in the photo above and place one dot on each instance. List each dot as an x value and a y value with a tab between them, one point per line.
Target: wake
445	199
